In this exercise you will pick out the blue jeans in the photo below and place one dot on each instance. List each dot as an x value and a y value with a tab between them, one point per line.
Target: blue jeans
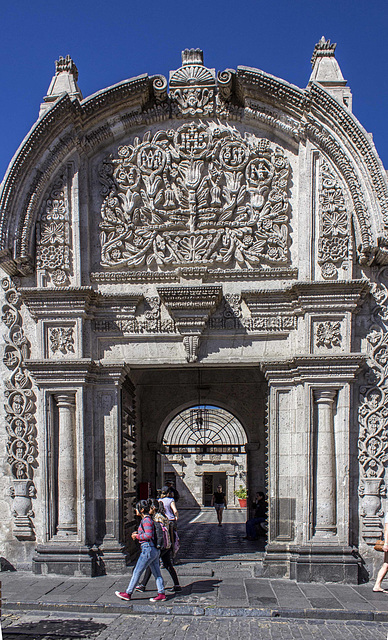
149	557
250	526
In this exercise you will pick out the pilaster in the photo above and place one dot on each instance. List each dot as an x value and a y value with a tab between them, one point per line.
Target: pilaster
309	412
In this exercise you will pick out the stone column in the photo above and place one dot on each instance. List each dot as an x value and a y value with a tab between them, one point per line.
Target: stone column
325	473
67	488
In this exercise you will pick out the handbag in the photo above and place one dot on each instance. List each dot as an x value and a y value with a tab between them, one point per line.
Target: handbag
379	545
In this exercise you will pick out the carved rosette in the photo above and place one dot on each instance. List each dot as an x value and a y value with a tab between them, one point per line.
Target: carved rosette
20	408
53	252
328	334
373	416
333	246
198	196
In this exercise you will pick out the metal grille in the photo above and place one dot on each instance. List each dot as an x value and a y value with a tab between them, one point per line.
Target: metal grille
205	426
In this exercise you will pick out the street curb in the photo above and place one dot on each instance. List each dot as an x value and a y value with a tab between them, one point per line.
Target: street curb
194	610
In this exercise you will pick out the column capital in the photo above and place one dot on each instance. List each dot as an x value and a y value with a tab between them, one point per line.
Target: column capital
65	399
324	396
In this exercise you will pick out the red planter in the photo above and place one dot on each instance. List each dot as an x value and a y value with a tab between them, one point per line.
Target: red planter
243	502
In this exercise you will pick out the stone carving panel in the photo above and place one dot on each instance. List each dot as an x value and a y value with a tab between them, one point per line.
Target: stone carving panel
328	334
53	253
61	340
20	422
333	246
373	416
201	195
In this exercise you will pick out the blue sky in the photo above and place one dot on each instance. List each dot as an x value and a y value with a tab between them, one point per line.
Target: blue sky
111	41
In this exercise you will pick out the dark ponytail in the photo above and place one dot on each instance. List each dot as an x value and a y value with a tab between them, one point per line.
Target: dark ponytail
143	505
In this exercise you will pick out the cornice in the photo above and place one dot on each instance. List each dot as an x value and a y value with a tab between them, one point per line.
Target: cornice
196	273
73	301
319	369
65	374
301	297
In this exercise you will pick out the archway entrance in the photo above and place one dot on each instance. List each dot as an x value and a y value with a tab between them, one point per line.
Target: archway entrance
204	446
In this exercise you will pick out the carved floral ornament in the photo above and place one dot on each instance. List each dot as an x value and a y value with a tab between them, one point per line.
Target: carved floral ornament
373	415
334	238
200	195
20	421
53	252
328	334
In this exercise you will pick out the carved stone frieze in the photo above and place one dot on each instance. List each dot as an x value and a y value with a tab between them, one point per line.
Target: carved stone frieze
200	195
20	408
53	252
334	233
373	416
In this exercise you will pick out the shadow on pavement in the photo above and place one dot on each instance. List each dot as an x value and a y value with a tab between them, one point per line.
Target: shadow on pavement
60	629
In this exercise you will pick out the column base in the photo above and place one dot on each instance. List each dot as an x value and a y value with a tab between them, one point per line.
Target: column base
65	559
318	563
112	558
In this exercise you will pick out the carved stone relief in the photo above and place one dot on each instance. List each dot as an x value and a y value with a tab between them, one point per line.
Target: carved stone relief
200	195
20	408
192	86
328	334
373	416
61	340
53	252
333	246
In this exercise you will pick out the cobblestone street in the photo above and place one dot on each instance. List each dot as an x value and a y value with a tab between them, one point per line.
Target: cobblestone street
158	627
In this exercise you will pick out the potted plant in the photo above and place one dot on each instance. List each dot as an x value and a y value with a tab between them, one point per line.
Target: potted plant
242	494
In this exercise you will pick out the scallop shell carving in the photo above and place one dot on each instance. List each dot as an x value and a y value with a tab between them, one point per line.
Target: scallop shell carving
192	74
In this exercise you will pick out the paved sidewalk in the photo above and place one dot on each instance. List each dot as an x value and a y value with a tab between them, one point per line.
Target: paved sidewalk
207	591
217	571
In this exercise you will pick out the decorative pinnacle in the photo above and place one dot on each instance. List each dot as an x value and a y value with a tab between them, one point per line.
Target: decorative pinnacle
192	56
323	48
66	64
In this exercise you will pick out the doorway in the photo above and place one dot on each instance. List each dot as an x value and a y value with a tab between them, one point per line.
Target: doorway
210	484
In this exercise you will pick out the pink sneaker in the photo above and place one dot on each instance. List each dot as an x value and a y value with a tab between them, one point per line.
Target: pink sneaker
158	598
123	595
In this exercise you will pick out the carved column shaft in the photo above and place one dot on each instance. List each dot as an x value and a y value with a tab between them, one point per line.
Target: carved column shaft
325	478
67	489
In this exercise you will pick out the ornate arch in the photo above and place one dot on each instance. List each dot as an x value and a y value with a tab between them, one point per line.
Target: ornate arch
72	125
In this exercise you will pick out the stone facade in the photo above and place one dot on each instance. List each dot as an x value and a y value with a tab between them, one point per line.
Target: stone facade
177	253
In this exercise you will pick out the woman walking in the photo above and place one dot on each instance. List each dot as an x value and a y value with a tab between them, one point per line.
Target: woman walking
167	499
219	503
149	556
159	517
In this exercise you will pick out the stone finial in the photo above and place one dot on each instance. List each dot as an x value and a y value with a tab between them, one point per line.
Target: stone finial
192	56
326	72
67	65
64	81
323	48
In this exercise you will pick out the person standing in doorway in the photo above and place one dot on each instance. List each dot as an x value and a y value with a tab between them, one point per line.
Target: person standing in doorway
219	503
173	490
253	525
